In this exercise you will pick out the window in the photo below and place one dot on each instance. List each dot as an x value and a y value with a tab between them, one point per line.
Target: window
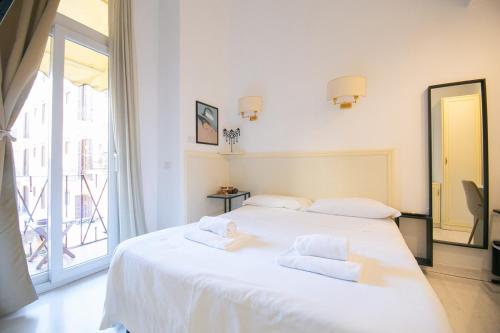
83	206
83	111
86	126
43	204
44	105
26	162
25	198
64	120
26	133
42	157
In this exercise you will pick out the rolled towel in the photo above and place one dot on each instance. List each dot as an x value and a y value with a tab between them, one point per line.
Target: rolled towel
344	270
323	246
218	225
214	240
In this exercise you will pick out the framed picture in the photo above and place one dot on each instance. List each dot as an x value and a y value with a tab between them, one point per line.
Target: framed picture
207	124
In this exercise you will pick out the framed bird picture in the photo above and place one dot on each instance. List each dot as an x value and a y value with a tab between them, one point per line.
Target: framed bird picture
207	124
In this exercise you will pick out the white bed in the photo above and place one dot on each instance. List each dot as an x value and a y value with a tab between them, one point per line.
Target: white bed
161	282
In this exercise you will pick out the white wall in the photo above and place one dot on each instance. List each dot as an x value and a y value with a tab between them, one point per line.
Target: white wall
146	32
287	50
204	30
205	171
170	181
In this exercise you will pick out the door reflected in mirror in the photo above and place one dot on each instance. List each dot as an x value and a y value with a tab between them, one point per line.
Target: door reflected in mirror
458	154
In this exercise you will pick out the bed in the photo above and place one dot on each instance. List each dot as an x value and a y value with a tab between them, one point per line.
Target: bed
161	282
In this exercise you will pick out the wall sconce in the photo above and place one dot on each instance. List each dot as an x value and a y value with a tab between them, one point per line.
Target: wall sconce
250	106
346	90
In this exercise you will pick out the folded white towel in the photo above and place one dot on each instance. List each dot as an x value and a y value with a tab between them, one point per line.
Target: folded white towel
218	225
323	246
214	240
337	269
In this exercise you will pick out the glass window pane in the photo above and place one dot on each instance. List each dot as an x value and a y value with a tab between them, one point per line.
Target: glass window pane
85	154
32	132
92	13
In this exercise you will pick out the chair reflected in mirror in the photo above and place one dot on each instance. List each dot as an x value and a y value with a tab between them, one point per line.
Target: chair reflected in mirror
475	203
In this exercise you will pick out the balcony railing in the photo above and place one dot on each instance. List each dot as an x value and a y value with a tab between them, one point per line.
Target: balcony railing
85	213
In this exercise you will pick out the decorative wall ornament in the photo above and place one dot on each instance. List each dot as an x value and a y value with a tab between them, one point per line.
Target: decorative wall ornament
231	136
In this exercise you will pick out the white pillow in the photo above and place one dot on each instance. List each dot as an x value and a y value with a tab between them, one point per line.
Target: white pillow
357	207
278	201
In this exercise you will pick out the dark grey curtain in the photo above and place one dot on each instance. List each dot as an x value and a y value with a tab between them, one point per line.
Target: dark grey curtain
23	35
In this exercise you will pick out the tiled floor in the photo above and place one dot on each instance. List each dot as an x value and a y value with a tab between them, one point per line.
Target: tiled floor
75	308
472	306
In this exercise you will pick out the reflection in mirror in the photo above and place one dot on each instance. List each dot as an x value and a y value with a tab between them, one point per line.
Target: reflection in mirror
458	191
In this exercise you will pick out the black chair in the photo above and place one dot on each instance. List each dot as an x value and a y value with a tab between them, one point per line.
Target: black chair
475	203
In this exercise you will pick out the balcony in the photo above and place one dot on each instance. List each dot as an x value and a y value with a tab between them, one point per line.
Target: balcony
84	225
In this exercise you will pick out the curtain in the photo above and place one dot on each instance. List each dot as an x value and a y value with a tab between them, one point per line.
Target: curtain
23	35
125	119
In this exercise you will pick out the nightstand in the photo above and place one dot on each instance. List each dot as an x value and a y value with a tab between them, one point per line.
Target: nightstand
427	261
228	198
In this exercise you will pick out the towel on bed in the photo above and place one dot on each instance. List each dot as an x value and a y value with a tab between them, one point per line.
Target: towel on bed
218	225
216	241
323	246
344	270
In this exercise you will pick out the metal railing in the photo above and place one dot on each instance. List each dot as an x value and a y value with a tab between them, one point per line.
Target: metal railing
87	190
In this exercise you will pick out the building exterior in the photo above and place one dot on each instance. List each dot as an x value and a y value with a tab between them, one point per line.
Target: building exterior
84	159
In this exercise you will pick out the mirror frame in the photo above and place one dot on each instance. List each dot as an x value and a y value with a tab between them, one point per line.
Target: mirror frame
484	112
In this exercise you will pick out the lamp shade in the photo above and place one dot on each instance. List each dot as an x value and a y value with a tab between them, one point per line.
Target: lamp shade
250	104
346	86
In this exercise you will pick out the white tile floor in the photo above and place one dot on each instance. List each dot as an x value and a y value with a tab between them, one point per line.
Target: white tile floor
74	308
472	306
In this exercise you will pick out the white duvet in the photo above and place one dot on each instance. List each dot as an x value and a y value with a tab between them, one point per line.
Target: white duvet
161	282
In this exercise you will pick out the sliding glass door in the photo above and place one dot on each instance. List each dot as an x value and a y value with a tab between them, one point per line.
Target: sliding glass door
66	193
85	154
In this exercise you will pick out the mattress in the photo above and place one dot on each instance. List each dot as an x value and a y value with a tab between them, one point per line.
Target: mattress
161	282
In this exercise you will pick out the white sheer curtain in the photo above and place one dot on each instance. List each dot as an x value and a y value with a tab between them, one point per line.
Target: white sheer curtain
23	35
125	119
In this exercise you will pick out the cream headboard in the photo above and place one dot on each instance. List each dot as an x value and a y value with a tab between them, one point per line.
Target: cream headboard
315	175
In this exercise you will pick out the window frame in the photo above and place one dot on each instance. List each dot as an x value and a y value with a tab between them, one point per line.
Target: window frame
65	28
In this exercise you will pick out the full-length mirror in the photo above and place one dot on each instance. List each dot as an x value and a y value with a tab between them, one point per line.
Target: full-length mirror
458	150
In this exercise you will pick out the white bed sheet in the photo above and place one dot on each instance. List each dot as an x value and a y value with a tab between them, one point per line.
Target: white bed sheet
161	282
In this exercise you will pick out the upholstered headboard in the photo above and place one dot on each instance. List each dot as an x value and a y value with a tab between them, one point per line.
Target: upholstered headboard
313	175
